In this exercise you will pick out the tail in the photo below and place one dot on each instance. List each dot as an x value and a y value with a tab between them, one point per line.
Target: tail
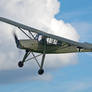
16	40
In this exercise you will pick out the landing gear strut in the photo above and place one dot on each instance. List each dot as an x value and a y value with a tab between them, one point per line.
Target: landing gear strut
41	70
21	63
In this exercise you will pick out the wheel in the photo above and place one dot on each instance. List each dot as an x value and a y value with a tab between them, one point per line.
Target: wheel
20	64
41	71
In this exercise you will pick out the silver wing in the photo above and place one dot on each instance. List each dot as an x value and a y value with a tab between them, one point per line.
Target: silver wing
61	39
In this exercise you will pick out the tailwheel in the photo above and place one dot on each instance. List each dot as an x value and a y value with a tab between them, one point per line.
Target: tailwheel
20	64
41	71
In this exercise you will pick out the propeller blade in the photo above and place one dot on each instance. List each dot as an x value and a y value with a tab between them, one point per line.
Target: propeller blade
16	40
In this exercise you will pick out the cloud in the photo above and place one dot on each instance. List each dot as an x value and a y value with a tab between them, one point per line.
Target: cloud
38	14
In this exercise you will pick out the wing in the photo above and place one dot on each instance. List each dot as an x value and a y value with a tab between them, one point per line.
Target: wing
61	39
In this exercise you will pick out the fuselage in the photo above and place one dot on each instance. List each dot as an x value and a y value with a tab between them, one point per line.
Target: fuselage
37	46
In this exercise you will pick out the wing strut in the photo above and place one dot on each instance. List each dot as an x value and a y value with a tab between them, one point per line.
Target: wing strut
24	33
34	37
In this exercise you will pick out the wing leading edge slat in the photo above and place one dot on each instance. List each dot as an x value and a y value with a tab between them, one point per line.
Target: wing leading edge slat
70	42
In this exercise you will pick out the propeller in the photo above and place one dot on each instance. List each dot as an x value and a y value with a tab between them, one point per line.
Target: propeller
19	52
16	40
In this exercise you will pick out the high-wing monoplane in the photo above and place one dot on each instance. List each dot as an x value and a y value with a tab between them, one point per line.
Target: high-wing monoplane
44	43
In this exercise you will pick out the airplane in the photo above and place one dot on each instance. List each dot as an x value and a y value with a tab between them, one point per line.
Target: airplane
44	43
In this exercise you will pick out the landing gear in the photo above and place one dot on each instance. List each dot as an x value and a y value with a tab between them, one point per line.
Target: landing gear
41	71
20	64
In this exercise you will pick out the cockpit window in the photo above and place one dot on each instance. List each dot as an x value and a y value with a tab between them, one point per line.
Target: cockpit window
49	41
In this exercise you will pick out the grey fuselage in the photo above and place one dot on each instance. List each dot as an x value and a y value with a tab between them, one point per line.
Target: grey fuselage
37	46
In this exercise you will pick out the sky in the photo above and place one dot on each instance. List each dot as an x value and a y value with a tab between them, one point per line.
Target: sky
65	73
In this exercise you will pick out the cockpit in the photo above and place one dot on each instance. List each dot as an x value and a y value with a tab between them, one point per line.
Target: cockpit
48	41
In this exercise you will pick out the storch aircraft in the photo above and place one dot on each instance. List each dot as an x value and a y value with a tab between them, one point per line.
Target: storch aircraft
44	43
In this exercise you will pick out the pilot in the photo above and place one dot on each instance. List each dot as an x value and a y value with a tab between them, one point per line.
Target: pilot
43	40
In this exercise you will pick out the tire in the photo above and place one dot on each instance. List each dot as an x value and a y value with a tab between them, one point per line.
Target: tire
20	64
41	71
